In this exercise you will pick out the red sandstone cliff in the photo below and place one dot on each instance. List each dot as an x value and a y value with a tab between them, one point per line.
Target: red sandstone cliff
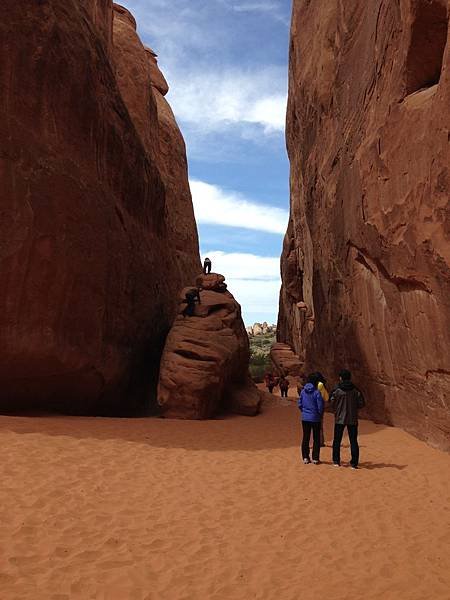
94	202
365	266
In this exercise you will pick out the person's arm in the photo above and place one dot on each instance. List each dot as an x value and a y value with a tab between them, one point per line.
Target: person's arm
319	402
361	401
333	401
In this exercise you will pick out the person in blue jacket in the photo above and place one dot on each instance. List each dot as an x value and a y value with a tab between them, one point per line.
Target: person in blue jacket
311	404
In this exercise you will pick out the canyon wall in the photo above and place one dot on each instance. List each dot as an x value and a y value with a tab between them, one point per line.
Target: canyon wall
97	232
365	265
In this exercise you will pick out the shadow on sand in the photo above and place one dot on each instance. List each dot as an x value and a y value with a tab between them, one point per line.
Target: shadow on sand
275	428
371	465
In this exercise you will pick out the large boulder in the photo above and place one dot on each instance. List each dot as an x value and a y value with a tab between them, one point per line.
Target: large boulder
366	261
204	367
89	257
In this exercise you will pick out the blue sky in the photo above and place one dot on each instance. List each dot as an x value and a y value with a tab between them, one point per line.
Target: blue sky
226	65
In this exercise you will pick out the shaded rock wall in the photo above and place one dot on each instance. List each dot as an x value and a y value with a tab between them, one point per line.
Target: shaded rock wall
365	265
88	251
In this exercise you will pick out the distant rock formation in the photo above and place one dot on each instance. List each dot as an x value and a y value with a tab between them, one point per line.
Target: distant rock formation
261	329
97	228
204	367
366	259
285	361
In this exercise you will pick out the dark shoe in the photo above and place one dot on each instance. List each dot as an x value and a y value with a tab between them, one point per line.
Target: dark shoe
306	461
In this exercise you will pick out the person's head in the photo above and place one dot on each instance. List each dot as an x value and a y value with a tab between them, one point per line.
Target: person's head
320	377
345	375
312	378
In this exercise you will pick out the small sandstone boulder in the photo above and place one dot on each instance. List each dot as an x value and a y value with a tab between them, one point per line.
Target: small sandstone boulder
204	367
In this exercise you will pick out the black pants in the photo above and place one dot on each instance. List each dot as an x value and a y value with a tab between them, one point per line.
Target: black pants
307	427
284	393
207	268
352	436
189	310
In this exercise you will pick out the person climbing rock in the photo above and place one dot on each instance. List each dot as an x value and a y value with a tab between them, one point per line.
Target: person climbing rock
346	400
284	386
191	297
311	405
207	266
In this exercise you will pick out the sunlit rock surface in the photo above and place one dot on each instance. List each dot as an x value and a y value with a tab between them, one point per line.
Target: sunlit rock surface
365	266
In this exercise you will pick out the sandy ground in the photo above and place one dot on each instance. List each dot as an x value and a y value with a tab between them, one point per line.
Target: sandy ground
156	509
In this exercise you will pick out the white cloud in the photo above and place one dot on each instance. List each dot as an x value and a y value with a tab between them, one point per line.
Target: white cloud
233	97
208	93
253	280
213	205
244	266
255	6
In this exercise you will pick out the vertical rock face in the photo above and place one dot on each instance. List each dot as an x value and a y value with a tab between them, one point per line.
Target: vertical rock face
143	88
89	259
365	266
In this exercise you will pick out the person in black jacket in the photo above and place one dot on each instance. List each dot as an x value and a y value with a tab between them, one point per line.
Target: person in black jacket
345	401
207	266
192	295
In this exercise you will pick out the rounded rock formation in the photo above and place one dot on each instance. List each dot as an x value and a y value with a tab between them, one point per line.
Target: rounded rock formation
204	367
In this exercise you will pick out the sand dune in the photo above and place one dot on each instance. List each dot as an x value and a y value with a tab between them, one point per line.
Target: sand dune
157	509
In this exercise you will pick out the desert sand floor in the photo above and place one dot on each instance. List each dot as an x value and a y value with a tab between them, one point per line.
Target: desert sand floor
157	509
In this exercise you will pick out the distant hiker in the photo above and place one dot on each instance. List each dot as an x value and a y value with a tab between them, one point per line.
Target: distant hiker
191	296
207	266
311	405
270	382
346	400
284	386
321	381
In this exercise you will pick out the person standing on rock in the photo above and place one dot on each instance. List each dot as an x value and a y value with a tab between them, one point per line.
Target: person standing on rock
207	266
346	400
284	386
310	403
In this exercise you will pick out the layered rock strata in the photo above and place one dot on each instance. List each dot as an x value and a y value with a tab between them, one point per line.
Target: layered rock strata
285	361
365	266
204	367
94	203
